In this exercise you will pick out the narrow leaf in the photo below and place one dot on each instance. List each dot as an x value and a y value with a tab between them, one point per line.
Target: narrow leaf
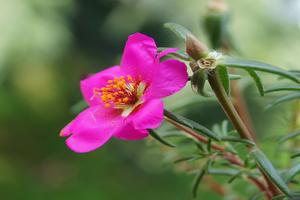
189	158
283	99
179	30
255	196
239	140
266	166
208	146
258	66
296	72
192	124
160	139
289	136
257	81
224	127
234	77
279	197
292	173
197	180
223	172
224	77
178	54
295	155
235	177
283	88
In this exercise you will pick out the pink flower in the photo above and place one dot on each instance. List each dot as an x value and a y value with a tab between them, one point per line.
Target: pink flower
124	101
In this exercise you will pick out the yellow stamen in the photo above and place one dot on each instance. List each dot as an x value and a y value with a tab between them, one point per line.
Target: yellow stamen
122	92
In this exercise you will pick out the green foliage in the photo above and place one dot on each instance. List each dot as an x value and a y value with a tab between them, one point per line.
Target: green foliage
257	81
224	77
237	140
257	66
279	88
198	180
283	99
179	30
294	171
289	136
193	125
156	136
180	54
266	166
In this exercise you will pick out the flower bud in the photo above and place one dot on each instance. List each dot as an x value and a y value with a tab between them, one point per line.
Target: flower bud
218	6
195	48
216	25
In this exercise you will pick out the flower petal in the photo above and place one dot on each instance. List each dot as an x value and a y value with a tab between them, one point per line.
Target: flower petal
92	128
98	80
170	78
148	115
139	56
128	132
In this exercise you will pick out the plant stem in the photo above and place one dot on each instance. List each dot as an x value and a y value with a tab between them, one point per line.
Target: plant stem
233	116
241	107
227	105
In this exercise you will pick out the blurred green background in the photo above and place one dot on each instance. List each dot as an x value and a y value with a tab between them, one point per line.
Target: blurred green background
46	47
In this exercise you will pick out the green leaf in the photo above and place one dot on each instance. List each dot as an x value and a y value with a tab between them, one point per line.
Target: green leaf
197	180
200	146
257	66
234	77
178	54
208	146
257	81
289	136
198	82
223	172
266	166
295	155
288	97
292	173
283	88
279	197
224	127
296	72
239	140
78	107
192	124
189	158
224	77
255	196
160	139
179	30
235	177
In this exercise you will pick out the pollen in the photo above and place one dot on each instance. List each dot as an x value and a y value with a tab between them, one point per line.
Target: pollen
120	92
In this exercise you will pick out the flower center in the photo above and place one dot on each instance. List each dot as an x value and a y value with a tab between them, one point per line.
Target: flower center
121	93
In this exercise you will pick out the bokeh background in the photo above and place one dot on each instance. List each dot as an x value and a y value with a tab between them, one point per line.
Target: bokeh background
46	47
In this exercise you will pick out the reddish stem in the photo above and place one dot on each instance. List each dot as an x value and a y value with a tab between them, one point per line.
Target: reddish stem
232	158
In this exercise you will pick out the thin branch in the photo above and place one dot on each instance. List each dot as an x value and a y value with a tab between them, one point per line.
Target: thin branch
232	158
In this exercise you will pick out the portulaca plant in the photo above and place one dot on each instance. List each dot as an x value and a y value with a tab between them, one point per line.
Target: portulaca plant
125	102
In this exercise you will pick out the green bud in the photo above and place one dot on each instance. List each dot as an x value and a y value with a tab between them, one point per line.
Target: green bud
218	6
216	25
194	48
